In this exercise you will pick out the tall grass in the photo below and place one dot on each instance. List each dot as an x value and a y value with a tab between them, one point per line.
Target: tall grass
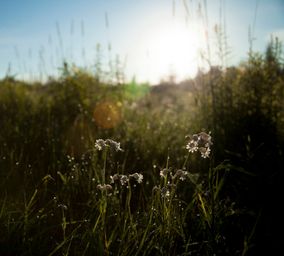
67	188
61	195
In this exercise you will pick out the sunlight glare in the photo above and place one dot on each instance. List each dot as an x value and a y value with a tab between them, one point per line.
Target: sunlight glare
174	51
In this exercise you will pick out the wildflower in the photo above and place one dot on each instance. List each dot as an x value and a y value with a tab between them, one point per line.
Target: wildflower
105	187
164	172
205	152
192	146
180	174
101	144
114	178
108	187
202	142
205	139
62	206
195	137
113	144
124	179
137	176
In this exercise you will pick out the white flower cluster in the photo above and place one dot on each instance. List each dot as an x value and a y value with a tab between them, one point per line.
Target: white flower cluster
201	141
124	179
172	181
108	143
179	174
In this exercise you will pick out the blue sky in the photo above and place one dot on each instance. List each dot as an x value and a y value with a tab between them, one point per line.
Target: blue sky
36	36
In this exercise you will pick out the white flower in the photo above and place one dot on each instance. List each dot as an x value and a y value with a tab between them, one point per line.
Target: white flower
195	137
180	174
62	206
101	144
114	178
192	146
205	152
205	139
164	172
113	144
140	178
105	187
200	141
123	179
137	176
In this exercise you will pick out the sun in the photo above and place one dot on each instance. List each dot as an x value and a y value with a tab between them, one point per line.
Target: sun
173	50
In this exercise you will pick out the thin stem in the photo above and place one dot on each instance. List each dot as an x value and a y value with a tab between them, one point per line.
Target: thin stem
185	162
104	168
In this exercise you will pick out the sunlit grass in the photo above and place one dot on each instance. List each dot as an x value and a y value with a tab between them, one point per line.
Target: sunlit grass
90	168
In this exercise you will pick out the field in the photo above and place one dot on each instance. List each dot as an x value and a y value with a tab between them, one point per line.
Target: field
93	168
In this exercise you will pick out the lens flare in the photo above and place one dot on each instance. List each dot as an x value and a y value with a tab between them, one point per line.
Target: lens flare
107	114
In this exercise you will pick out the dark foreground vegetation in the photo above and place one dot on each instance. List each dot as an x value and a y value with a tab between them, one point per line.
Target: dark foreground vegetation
59	192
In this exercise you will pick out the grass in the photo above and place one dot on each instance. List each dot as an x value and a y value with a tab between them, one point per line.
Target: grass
68	189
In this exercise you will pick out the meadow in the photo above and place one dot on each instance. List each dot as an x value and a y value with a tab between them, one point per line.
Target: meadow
95	168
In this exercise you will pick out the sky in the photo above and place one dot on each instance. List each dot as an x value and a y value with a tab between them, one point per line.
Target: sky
150	40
